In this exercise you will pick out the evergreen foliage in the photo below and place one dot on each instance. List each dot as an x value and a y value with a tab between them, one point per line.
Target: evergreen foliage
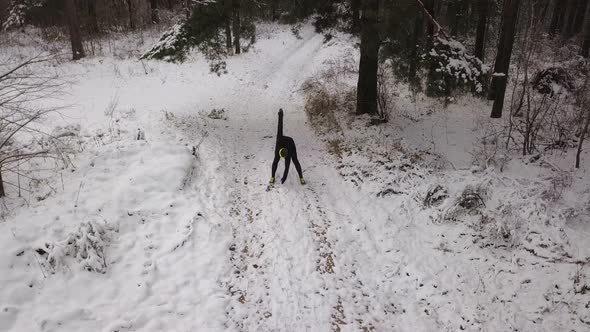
454	68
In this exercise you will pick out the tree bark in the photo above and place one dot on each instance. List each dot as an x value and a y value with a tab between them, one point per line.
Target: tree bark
132	15
236	23
228	13
554	17
74	27
154	11
186	7
354	8
557	17
502	65
139	13
568	19
273	10
4	7
580	17
433	24
577	17
416	35
453	16
540	12
367	83
482	23
582	137
585	51
429	5
2	192
93	18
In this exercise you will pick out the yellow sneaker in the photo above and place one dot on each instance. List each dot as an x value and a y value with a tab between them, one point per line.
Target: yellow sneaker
302	180
272	179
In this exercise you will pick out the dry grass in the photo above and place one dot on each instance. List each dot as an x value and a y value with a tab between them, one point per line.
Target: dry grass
323	105
328	97
335	148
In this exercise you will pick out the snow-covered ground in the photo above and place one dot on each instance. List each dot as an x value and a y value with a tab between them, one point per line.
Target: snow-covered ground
142	235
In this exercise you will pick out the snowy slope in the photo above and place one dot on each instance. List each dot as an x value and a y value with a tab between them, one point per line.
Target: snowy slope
202	243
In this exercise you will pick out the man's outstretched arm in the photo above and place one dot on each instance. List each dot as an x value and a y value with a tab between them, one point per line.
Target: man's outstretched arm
280	130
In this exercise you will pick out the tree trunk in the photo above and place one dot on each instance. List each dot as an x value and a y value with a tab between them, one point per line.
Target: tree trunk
585	51
580	17
4	7
92	17
2	192
502	65
139	13
582	137
304	6
132	15
568	19
540	12
74	27
367	83
482	23
236	23
429	5
453	16
186	7
228	13
577	17
155	16
273	10
557	17
354	8
415	40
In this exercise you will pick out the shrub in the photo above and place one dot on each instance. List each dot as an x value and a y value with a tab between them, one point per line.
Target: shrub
86	246
452	68
172	46
202	29
552	80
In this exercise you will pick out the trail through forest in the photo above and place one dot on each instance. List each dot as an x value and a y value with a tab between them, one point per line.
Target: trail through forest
197	240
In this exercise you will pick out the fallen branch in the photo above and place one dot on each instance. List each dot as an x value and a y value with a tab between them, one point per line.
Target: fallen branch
438	27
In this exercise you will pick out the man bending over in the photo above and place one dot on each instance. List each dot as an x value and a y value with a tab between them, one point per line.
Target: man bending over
285	148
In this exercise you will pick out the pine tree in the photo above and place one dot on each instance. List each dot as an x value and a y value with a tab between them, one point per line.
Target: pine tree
354	11
502	65
227	8
585	51
414	47
367	82
559	8
482	23
74	28
154	10
236	23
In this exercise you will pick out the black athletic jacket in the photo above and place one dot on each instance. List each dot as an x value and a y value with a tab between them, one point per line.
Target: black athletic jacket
287	143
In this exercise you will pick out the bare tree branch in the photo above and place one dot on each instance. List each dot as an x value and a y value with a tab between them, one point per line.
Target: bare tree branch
21	87
22	156
30	61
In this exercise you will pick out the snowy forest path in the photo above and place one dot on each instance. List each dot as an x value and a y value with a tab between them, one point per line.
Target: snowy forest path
175	162
301	255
